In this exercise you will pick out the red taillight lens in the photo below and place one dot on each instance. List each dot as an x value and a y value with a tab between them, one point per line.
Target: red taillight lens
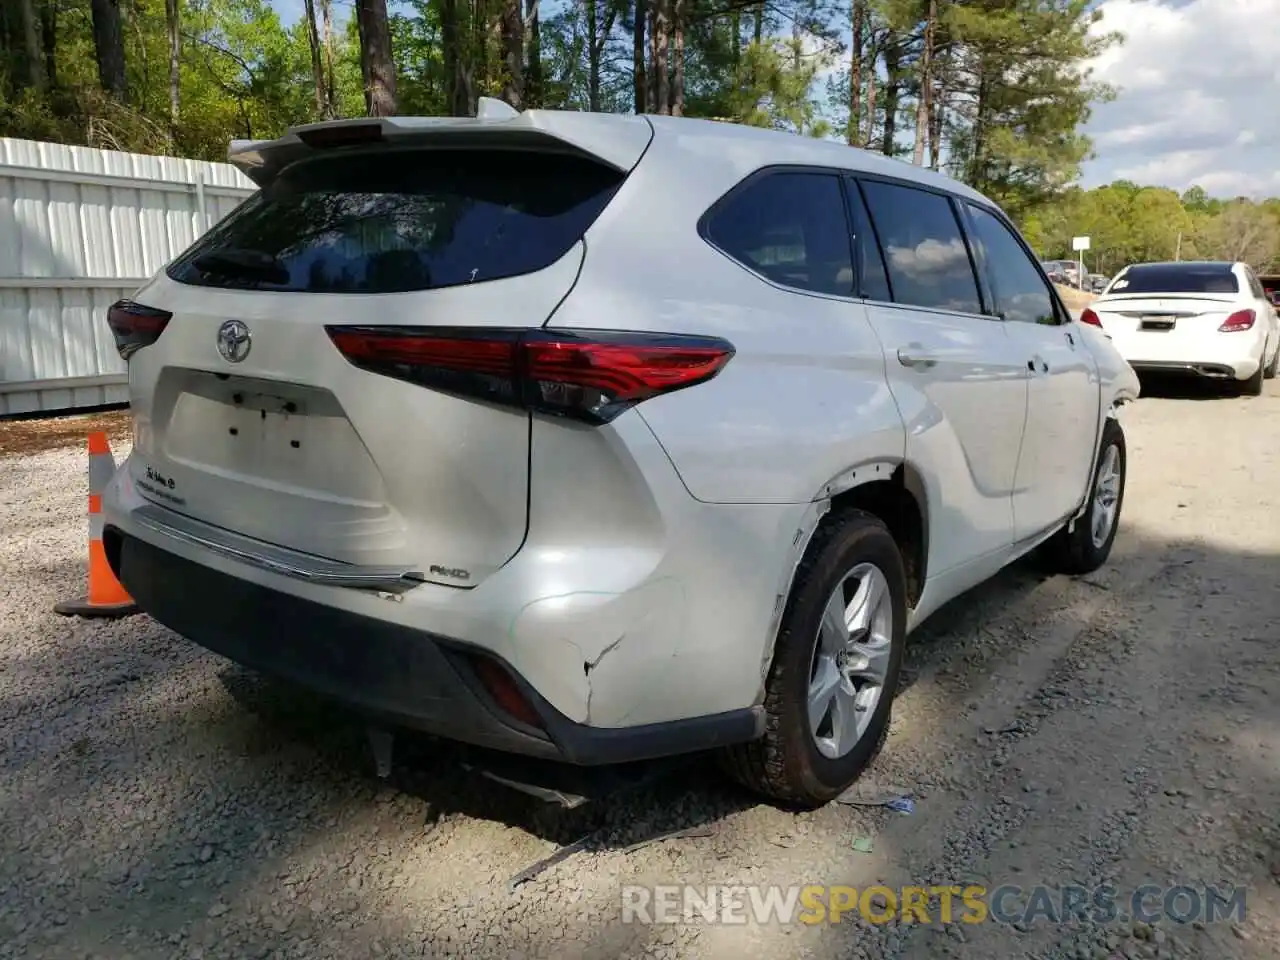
505	693
1240	320
135	326
1089	317
608	377
591	376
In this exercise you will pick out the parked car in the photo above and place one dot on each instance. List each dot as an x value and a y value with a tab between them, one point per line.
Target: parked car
1271	286
1054	273
1069	270
1098	282
590	438
1207	319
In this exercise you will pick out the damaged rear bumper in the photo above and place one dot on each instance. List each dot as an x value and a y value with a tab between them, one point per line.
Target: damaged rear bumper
388	671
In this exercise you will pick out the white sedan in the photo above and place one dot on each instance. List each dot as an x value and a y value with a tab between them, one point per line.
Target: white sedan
1208	319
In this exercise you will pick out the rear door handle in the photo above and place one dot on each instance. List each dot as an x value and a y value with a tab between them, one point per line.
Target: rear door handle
1038	365
913	356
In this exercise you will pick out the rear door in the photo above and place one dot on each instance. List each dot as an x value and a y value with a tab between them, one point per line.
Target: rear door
1056	459
250	416
960	382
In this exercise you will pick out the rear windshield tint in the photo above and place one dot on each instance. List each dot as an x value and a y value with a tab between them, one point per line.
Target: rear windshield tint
1176	278
402	220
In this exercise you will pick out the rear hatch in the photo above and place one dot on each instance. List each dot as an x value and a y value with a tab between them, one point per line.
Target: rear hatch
250	416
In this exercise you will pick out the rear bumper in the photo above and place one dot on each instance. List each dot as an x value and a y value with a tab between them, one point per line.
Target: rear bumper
1215	356
388	671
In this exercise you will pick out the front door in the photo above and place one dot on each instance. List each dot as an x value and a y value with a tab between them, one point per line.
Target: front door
1056	462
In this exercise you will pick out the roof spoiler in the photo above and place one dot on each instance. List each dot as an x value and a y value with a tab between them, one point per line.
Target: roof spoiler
618	140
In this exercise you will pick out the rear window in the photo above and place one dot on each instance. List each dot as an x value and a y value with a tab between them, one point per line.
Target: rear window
402	220
1176	278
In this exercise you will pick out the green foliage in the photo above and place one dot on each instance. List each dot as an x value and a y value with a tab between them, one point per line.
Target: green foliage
242	74
1129	224
1019	142
775	83
416	40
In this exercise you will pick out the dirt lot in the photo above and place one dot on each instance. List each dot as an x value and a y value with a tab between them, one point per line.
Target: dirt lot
157	802
1074	299
26	436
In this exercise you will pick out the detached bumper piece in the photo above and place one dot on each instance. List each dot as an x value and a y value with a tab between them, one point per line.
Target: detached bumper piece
392	674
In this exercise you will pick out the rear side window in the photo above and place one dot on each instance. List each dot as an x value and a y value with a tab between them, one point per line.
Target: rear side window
924	251
790	228
1020	291
1177	278
402	220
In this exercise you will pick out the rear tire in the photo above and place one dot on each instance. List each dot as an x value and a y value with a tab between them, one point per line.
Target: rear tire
1253	386
1274	365
1082	550
852	556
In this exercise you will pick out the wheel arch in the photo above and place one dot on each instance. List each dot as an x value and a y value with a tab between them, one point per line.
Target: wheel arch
895	493
900	502
1110	411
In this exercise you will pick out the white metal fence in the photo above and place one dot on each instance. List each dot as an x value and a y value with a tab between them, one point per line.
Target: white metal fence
79	229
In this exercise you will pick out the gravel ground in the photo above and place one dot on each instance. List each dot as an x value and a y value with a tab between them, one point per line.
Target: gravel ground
158	802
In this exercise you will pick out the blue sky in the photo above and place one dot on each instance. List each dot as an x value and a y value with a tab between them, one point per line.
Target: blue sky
1199	94
290	10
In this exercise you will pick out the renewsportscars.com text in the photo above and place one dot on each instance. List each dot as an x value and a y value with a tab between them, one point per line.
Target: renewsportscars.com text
970	904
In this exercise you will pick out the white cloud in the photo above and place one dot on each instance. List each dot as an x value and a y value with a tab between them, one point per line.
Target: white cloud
1199	85
928	257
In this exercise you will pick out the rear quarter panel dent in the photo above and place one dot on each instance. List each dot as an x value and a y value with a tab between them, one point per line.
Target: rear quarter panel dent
603	645
636	597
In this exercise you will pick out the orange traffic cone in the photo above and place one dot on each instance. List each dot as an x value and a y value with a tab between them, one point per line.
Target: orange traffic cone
106	597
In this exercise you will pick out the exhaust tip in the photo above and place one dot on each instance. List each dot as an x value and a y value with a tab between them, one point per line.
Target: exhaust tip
1213	371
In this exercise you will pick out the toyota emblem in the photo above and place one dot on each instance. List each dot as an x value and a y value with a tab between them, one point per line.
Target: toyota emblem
234	341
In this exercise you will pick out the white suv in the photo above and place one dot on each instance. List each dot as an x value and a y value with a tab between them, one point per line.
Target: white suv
602	438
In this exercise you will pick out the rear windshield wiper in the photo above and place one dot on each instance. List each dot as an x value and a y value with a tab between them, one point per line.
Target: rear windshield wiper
239	262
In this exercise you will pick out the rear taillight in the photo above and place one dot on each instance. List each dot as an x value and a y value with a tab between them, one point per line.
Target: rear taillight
592	375
1089	317
504	690
1238	321
135	326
